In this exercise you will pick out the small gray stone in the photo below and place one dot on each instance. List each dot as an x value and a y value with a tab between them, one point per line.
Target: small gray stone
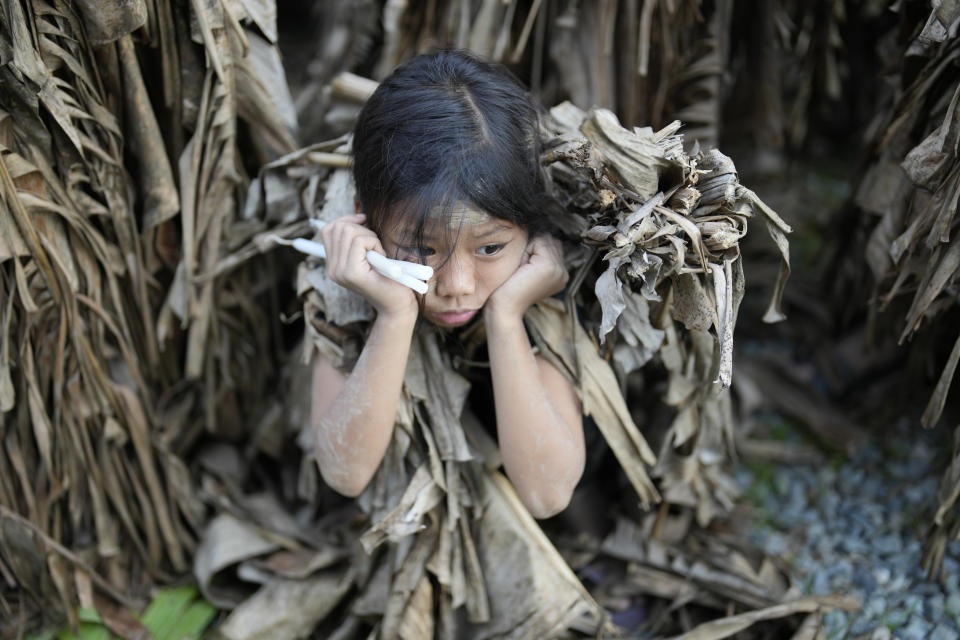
815	531
927	589
821	584
861	626
934	607
912	547
875	607
914	605
854	477
897	583
875	514
943	632
776	544
834	621
841	574
952	567
952	583
854	545
888	544
896	617
829	505
915	494
917	628
863	579
743	476
882	574
953	604
824	549
804	564
881	633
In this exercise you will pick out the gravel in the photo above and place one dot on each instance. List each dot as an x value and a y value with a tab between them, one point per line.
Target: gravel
856	528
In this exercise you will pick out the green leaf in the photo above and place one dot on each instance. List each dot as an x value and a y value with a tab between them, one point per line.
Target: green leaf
176	613
86	631
89	615
194	620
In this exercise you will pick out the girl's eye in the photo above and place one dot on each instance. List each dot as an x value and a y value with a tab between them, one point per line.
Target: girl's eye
491	249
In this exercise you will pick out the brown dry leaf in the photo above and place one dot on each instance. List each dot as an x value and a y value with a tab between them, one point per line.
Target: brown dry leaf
548	598
938	398
108	22
943	267
948	493
418	618
119	620
156	175
405	582
420	496
636	158
226	542
300	563
286	609
726	627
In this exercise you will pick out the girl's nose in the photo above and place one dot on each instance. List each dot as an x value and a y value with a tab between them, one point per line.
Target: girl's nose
456	278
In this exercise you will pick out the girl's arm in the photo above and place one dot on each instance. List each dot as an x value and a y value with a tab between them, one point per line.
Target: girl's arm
539	422
353	416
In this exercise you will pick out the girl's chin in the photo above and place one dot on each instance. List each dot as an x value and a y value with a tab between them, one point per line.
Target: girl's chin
453	319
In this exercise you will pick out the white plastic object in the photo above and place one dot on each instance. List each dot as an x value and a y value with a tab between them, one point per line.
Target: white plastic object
409	274
413	269
309	247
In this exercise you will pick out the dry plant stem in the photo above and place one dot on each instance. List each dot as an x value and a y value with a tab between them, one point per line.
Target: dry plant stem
69	555
538	419
354	416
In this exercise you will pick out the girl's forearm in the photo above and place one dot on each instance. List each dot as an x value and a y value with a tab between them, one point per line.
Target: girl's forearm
353	433
539	424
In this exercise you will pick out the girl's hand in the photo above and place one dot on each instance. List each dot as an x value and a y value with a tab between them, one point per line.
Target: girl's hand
347	241
541	274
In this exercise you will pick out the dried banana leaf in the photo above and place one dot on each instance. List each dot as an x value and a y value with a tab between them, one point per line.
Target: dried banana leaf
910	191
117	353
668	226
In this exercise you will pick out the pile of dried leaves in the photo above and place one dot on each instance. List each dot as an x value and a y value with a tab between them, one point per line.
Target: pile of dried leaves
125	335
910	191
667	227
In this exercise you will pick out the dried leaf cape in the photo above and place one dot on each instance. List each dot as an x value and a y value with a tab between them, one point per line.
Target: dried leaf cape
448	550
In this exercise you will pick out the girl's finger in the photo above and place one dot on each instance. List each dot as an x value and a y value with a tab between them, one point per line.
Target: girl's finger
360	245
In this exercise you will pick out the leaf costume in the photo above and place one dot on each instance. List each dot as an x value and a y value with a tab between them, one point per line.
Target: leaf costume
448	550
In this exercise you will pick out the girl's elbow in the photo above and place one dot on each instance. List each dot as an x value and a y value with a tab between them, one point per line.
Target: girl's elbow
348	485
347	480
548	503
551	500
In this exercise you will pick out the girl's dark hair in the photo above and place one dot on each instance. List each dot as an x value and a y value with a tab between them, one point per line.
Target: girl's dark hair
443	128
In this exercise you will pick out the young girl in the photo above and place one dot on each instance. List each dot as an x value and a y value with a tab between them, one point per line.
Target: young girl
446	167
446	170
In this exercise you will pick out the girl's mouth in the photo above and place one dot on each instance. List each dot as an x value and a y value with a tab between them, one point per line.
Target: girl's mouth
454	318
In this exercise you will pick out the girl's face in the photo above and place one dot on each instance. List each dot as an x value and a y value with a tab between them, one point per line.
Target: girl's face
486	253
